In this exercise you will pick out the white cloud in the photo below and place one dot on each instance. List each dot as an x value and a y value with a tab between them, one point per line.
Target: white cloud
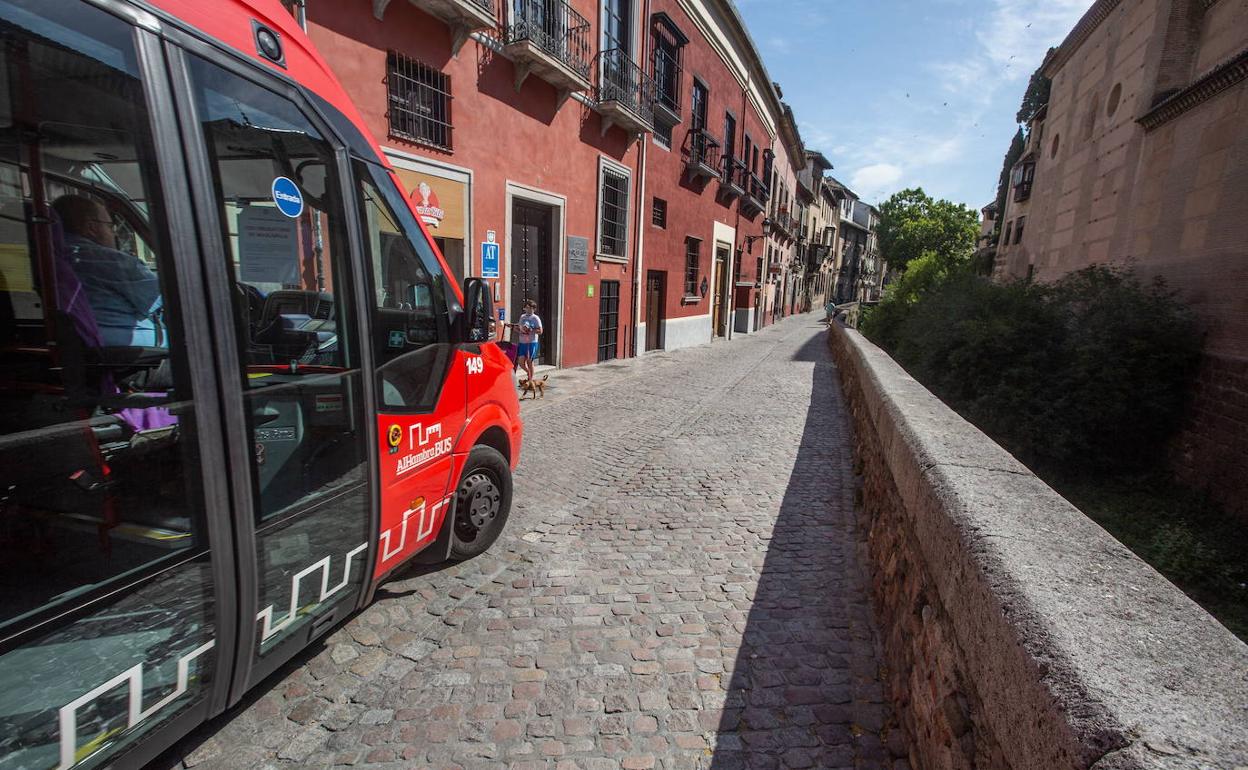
871	181
780	45
1011	43
927	135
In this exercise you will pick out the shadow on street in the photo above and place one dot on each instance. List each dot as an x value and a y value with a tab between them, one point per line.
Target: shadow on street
805	689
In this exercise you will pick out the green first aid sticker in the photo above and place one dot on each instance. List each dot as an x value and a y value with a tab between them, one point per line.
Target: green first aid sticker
396	338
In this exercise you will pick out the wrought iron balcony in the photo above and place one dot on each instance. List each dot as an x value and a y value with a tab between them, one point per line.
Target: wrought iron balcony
755	198
784	224
625	93
732	180
703	158
550	39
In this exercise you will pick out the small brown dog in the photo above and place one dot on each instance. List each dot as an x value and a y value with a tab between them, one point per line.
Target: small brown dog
535	388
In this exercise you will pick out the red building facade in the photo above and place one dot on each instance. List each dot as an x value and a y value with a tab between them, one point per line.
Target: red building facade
610	159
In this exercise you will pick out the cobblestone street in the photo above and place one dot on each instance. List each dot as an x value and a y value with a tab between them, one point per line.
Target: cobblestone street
679	586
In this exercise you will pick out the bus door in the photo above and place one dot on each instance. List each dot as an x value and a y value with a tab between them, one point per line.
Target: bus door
420	378
115	556
294	360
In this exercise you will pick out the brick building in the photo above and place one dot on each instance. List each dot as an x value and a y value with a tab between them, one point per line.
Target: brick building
617	157
1141	158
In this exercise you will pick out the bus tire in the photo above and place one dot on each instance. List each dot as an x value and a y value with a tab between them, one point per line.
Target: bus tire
482	503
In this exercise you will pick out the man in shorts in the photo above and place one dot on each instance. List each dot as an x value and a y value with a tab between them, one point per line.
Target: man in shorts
530	328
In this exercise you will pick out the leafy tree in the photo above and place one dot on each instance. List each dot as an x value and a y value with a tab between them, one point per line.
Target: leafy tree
1087	373
1037	94
912	224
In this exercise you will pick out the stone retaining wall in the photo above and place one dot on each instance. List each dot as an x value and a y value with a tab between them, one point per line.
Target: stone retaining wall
1018	635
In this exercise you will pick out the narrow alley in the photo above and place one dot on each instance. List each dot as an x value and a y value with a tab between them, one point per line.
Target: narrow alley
679	587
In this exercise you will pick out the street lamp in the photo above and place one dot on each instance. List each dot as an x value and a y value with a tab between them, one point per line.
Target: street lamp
749	239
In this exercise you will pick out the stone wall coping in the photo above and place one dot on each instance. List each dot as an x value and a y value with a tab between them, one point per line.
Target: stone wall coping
1137	674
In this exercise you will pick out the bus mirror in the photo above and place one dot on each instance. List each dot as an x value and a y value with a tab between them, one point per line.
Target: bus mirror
479	310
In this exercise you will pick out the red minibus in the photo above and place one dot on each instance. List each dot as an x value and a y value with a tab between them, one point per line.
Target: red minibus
238	386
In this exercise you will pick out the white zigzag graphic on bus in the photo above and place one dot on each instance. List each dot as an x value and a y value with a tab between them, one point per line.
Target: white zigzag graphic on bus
134	675
423	531
266	614
425	435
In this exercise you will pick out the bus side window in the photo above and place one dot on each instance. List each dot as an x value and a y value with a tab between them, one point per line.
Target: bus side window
411	331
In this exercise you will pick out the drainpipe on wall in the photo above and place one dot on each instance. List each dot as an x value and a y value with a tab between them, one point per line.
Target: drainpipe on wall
730	280
298	9
639	227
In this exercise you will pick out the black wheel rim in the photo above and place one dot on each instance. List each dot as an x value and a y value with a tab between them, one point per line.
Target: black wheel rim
478	503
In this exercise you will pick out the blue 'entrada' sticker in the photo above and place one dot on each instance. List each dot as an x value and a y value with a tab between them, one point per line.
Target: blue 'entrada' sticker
287	197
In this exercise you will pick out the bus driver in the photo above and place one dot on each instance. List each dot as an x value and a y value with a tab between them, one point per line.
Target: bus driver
123	292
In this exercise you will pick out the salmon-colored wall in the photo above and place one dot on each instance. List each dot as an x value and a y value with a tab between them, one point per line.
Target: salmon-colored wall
501	136
694	205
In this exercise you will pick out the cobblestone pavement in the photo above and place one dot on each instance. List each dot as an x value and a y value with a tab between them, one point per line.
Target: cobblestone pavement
679	587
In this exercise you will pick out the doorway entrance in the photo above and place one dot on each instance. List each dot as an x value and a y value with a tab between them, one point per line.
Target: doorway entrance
719	312
656	296
533	270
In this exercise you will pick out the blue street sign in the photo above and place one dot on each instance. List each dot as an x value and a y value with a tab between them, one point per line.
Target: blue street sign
502	314
489	260
287	197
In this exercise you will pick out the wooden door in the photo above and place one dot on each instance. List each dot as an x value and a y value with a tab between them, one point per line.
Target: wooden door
655	299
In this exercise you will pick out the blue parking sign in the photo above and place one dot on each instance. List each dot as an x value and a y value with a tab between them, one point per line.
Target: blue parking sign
489	260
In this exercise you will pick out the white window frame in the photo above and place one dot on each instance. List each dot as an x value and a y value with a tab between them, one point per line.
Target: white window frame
605	164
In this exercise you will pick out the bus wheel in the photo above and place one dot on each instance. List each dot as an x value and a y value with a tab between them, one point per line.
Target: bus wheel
482	503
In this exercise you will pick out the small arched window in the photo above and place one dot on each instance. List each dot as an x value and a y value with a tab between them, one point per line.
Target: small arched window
1115	96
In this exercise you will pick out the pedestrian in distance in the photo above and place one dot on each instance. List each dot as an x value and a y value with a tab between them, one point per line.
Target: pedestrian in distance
529	325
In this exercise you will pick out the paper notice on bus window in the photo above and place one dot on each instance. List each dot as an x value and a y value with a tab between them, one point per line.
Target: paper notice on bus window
268	246
15	268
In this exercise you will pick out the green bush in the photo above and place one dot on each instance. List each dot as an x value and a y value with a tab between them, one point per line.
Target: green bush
1089	372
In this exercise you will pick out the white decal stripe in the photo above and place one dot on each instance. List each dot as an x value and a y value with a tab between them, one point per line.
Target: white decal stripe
268	629
423	530
134	675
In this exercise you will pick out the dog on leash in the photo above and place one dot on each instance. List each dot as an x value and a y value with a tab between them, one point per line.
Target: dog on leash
535	388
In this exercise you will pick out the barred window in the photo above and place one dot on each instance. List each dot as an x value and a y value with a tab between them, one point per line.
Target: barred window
613	214
420	101
693	256
658	215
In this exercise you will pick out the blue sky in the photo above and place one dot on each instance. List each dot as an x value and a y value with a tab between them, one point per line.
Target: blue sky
899	93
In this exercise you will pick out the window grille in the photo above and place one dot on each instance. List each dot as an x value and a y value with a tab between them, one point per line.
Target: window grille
693	256
613	224
420	101
658	214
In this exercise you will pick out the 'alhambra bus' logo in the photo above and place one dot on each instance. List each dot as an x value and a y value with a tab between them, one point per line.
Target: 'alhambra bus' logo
424	445
427	205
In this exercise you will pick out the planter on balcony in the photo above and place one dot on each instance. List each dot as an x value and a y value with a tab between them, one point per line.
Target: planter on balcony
625	95
549	39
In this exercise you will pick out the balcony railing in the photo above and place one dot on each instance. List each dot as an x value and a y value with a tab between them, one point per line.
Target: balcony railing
755	197
625	92
733	177
703	154
554	29
785	223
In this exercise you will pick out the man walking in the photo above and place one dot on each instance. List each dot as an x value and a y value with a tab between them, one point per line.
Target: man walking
530	328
